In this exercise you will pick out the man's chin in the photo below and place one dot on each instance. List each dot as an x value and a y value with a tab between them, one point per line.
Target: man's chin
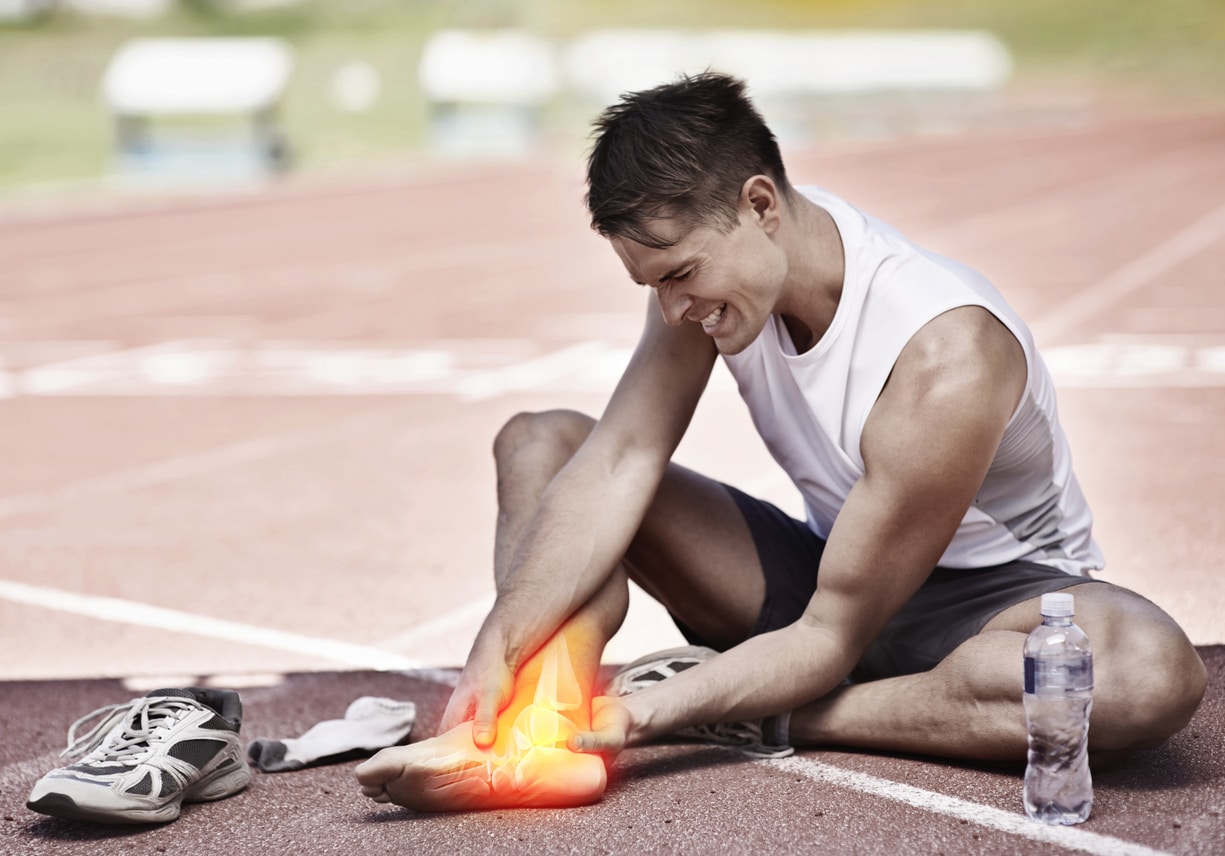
729	347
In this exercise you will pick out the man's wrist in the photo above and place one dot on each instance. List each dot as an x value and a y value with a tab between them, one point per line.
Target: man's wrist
492	640
641	717
504	634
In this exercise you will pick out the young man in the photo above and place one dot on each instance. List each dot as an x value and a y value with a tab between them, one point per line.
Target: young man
908	404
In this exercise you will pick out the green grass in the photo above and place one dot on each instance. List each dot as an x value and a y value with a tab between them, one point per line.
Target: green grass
54	129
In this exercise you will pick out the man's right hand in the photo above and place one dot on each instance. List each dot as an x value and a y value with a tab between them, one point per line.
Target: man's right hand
484	689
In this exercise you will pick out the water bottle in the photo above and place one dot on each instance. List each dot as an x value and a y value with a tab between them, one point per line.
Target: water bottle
1058	695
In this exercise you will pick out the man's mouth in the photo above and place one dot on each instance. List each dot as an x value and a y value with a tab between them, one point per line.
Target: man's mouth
713	318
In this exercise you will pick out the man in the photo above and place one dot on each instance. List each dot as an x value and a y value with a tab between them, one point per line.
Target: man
908	404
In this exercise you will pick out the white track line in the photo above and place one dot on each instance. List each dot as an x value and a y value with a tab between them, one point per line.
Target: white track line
529	374
1191	241
144	615
443	626
1013	823
181	467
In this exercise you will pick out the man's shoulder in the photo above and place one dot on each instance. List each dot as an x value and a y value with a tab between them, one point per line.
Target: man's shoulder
967	345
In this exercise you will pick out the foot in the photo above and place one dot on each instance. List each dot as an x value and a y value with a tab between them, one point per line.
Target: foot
530	768
528	765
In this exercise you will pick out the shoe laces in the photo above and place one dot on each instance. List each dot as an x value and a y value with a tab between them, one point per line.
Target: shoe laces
146	720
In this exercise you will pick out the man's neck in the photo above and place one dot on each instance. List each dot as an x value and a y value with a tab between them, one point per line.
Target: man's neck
814	284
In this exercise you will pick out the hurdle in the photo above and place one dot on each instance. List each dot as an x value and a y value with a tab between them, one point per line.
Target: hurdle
486	90
198	110
20	11
803	78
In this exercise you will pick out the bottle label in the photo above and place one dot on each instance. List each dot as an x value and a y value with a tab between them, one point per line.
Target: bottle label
1046	675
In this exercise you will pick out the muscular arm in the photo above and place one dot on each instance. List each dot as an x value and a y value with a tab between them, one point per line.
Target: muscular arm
927	445
591	510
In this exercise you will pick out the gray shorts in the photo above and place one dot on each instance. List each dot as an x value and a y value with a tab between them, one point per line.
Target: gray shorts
949	608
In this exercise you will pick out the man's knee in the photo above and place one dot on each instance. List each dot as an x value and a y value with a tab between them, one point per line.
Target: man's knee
564	430
1149	685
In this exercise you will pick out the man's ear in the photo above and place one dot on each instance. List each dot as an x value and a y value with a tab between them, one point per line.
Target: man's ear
760	200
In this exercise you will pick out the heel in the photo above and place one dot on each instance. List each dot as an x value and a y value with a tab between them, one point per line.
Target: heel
223	783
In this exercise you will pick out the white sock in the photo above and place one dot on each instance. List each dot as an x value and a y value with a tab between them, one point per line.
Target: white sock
370	724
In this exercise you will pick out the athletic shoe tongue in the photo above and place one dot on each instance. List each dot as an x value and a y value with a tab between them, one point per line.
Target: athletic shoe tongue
155	714
170	693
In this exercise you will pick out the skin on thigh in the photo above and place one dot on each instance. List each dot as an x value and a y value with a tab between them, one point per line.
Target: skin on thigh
1102	609
1130	636
1148	677
694	553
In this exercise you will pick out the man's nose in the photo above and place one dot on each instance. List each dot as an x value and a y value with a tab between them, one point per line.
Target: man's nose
673	305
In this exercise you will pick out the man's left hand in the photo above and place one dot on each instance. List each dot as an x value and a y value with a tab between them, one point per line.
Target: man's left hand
611	725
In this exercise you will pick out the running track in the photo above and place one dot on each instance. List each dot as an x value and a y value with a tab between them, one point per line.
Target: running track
248	444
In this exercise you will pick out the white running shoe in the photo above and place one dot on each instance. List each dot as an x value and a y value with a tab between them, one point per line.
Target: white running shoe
147	757
758	738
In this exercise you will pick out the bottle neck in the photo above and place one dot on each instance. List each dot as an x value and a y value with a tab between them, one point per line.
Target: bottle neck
1057	620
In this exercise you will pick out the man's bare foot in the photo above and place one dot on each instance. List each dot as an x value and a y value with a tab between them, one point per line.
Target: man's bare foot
449	772
527	766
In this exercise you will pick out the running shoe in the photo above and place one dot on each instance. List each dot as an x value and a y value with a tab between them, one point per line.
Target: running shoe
146	757
757	738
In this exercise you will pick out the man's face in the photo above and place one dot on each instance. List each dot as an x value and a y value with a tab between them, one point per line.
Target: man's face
726	282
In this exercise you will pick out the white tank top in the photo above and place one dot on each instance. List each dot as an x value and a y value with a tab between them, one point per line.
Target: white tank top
810	408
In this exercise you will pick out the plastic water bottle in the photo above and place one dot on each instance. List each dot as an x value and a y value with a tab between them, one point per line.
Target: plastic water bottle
1058	697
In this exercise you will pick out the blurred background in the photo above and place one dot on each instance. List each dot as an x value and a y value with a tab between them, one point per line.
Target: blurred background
356	84
256	393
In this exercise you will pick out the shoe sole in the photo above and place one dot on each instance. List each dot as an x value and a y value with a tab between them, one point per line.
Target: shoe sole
626	680
683	652
216	787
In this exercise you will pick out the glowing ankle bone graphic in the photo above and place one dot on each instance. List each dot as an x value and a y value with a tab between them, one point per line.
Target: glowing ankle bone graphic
537	738
529	765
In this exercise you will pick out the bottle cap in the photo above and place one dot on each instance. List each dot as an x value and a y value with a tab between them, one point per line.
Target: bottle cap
1057	605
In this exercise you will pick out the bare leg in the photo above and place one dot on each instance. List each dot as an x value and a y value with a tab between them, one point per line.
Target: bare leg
529	451
694	552
1149	681
694	549
449	772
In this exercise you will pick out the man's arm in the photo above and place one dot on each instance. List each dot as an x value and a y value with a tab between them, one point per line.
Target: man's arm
927	446
588	515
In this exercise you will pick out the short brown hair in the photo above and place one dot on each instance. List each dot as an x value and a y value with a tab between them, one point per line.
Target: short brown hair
681	150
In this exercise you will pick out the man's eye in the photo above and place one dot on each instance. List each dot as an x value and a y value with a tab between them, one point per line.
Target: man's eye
681	277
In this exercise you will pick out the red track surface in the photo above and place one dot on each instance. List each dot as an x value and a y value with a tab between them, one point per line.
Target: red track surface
269	417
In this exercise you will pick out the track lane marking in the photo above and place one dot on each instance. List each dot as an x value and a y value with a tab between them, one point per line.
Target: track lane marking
1012	823
161	618
1141	271
530	374
463	370
457	619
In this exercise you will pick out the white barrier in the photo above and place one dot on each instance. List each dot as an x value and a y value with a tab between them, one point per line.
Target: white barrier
119	8
488	67
518	72
159	81
23	10
486	89
601	65
605	63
